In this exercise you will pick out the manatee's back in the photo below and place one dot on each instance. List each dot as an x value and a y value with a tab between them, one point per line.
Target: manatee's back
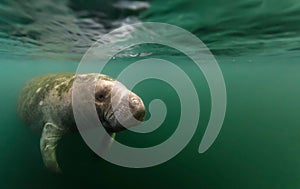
32	97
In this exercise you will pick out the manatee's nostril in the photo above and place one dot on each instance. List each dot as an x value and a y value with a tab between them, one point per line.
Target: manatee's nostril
135	101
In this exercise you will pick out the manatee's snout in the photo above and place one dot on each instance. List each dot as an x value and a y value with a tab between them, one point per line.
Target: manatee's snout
127	110
119	108
137	107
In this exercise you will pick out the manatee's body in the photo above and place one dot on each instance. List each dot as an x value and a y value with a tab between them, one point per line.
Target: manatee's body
45	105
47	98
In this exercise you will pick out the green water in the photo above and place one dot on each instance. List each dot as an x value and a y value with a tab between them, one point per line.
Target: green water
256	47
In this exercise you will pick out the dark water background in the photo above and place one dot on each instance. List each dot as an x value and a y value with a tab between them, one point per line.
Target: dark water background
256	44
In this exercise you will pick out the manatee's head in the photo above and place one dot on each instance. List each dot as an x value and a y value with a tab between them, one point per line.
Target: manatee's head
117	107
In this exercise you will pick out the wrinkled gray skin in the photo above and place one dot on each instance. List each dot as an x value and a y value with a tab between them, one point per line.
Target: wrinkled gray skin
45	104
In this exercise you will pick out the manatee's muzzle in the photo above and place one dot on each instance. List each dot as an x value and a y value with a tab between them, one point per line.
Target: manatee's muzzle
137	107
127	110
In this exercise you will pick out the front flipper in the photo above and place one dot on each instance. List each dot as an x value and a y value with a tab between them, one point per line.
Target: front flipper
50	136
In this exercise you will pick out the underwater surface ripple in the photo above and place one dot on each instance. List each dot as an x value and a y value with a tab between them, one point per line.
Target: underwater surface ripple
226	27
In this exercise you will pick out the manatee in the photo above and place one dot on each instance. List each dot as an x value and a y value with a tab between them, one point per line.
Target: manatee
45	105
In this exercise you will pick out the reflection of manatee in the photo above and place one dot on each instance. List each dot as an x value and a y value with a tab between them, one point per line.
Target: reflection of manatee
45	104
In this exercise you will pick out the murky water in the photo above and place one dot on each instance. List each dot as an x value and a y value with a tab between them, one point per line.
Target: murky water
256	44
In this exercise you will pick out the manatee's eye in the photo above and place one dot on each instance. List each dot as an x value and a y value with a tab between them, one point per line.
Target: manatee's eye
100	96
